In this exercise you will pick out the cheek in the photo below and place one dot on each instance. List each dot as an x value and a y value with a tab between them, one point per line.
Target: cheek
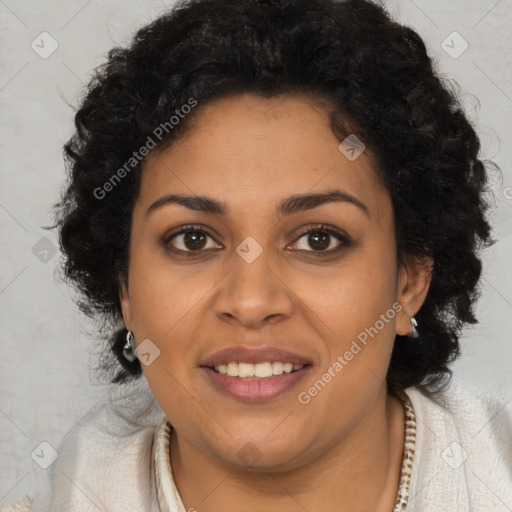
355	297
164	295
164	304
358	319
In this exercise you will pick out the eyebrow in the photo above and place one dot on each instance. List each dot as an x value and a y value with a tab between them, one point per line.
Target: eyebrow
293	204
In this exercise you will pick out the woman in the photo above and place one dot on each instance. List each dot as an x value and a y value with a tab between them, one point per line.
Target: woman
278	206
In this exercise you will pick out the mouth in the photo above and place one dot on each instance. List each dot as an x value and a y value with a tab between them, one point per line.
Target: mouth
254	374
263	370
255	383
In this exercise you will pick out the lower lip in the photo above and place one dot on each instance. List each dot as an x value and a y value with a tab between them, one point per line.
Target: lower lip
255	390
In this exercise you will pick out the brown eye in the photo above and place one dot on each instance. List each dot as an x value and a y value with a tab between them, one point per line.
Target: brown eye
190	239
194	240
321	240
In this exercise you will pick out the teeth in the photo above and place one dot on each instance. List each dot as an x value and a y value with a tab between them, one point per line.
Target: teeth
259	370
245	370
277	368
262	370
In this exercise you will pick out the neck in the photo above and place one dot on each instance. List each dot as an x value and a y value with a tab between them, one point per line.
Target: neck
359	472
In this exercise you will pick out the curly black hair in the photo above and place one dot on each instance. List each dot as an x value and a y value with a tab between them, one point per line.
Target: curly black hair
377	78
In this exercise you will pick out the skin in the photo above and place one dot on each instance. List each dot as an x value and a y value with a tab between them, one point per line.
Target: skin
343	450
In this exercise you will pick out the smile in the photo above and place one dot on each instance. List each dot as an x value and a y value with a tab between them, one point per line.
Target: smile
263	370
254	383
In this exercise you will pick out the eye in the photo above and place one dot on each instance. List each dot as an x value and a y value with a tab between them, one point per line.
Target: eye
190	239
320	239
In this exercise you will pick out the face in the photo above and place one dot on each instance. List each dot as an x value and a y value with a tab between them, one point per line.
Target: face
314	277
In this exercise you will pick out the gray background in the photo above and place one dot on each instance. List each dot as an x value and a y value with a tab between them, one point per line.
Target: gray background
45	346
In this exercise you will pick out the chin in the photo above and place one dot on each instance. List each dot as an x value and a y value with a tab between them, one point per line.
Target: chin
258	451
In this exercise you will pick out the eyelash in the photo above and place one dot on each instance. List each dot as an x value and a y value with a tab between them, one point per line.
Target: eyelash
321	228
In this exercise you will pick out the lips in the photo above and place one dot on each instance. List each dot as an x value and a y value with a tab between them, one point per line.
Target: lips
254	355
255	390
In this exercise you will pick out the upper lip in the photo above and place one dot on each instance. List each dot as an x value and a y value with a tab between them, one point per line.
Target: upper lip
253	355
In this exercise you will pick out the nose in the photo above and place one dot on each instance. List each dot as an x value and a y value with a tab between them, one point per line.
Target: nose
254	293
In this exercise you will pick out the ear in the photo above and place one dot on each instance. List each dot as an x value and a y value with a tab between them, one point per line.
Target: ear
413	285
124	299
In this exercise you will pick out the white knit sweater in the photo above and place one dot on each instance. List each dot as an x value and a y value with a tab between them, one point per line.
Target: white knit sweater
116	458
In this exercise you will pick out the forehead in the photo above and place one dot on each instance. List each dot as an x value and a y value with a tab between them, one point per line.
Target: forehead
250	152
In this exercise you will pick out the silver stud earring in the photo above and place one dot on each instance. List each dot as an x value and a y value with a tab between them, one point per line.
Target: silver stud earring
414	324
129	347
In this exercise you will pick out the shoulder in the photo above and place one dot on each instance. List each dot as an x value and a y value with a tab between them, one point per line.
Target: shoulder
466	411
463	453
109	453
19	506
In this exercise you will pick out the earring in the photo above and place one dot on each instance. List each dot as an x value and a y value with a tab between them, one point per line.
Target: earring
414	324
129	347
